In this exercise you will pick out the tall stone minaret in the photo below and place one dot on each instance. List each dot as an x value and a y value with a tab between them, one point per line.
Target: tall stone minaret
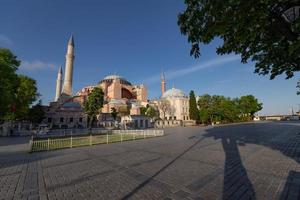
67	88
163	83
58	84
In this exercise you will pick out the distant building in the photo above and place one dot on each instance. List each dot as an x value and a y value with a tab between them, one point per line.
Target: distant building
179	104
67	110
136	121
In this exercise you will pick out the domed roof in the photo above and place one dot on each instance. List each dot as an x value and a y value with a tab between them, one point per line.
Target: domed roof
110	79
173	93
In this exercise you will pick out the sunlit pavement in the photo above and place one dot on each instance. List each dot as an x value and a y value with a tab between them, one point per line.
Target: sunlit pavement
246	161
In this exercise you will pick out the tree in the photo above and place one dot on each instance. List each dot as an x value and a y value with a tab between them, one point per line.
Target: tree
257	30
152	112
114	113
204	102
165	107
93	105
8	80
193	110
25	95
36	113
249	105
222	109
144	109
18	92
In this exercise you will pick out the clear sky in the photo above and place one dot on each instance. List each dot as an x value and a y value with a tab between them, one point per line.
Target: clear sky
132	38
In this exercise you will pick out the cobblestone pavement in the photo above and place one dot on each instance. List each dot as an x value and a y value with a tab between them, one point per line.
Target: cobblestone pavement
246	161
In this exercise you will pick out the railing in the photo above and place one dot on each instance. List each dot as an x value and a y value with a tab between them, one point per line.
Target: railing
77	141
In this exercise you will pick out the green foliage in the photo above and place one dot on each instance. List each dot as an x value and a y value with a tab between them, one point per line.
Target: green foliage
152	112
193	110
18	92
114	113
226	110
144	109
256	30
249	106
94	103
25	95
36	113
8	80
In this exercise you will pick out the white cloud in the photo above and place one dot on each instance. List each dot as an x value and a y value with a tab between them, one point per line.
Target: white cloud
36	65
4	40
171	74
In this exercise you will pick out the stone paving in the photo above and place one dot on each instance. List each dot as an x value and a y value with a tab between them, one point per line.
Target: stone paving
244	161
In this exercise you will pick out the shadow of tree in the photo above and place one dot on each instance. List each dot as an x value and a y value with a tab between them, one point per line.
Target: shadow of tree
236	182
291	189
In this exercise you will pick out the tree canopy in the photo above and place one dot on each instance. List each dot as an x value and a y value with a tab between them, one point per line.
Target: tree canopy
218	108
257	30
36	113
18	92
94	103
152	112
193	110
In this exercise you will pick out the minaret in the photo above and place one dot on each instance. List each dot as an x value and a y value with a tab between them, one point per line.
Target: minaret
67	88
58	84
163	84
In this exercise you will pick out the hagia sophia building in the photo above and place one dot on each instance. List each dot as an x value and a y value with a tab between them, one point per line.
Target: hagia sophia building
66	111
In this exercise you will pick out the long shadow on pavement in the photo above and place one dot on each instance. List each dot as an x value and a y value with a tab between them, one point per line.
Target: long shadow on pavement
236	182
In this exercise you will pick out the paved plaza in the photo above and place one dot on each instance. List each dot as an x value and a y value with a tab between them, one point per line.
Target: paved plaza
243	161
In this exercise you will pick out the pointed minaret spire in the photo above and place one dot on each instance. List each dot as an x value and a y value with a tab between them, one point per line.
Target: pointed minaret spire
58	84
163	83
71	40
68	80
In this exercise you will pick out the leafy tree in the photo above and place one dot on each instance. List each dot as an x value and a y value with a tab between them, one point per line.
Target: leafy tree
36	113
114	113
25	95
218	108
8	80
249	105
193	110
93	105
152	112
204	108
18	92
257	30
144	109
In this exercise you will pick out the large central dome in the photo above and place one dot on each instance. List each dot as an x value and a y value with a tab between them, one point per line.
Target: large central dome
111	78
173	93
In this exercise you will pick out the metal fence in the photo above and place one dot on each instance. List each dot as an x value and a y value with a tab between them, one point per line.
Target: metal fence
112	136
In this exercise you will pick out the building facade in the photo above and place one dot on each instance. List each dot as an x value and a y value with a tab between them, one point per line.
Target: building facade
66	111
178	105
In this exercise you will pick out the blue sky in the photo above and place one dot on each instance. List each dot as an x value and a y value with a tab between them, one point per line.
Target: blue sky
133	38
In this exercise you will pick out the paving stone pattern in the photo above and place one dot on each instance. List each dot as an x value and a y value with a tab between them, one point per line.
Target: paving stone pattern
243	161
